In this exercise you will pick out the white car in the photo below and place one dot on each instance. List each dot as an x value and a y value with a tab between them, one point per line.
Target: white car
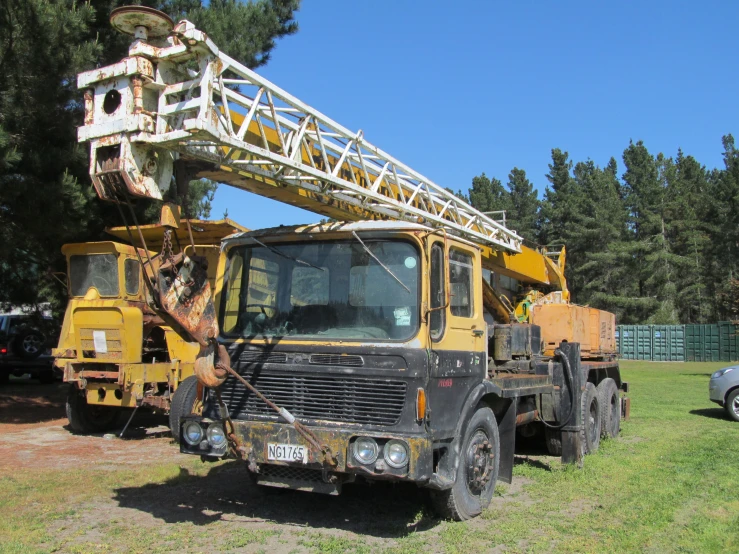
723	389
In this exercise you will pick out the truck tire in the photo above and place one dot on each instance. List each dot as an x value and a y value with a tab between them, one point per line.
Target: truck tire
29	344
590	430
553	439
182	404
477	470
732	405
610	409
84	418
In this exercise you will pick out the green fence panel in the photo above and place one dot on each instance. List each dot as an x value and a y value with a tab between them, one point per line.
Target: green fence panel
728	347
634	342
668	343
702	343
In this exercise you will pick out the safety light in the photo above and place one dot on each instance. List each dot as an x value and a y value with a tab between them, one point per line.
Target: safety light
421	405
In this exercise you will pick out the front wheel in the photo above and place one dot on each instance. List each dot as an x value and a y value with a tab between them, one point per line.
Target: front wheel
183	403
732	405
85	418
477	470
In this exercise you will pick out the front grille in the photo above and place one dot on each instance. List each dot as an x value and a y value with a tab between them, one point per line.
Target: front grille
290	473
337	359
261	357
324	397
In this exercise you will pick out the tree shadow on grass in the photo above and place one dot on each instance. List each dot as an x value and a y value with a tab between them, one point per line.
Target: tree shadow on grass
386	510
713	413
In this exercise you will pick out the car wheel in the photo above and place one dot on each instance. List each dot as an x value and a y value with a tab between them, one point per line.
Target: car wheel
29	344
183	403
85	418
610	408
732	405
590	430
477	470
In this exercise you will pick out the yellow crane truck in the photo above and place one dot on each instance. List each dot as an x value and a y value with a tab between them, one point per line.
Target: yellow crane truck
409	342
114	350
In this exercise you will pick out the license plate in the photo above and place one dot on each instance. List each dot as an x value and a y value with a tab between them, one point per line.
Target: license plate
287	453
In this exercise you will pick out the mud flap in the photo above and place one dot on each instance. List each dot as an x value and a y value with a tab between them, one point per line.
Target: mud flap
507	433
571	450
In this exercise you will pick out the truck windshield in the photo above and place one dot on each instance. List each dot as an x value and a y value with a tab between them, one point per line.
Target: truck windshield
323	290
99	271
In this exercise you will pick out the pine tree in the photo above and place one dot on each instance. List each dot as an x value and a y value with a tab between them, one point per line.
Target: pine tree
45	194
487	195
523	205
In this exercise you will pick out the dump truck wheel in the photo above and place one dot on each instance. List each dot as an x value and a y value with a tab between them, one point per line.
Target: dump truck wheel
84	418
590	430
732	405
477	470
183	400
610	408
553	439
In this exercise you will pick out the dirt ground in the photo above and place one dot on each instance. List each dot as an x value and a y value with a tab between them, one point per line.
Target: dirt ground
34	433
220	502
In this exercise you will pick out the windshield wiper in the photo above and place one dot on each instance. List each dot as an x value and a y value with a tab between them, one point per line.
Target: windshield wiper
382	265
279	253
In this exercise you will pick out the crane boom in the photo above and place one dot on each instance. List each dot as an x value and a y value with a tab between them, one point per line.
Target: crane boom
238	127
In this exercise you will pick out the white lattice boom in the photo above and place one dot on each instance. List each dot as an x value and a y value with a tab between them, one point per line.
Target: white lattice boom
181	98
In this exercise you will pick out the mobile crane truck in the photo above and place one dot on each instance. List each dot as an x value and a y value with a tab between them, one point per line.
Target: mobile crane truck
378	350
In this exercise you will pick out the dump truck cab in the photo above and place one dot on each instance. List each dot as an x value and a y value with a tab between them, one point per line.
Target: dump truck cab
114	347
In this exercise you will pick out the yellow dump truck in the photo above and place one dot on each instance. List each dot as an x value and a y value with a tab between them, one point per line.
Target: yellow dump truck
115	351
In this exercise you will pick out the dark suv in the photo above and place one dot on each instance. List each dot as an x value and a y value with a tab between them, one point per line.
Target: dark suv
24	346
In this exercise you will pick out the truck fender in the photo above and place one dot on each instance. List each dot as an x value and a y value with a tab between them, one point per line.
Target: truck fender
446	469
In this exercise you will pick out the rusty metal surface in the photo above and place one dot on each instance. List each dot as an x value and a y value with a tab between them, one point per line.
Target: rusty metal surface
253	437
185	294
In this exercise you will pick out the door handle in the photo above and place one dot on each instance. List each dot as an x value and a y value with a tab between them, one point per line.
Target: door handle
478	332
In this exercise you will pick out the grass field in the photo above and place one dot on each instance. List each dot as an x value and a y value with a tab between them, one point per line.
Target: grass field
670	483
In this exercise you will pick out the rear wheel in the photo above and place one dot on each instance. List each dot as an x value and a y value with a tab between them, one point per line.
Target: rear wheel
590	430
183	402
610	408
477	470
86	418
732	405
553	438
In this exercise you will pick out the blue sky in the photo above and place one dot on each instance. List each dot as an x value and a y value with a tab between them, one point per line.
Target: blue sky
457	88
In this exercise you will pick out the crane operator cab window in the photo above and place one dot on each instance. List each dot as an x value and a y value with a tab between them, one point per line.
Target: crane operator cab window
323	290
460	279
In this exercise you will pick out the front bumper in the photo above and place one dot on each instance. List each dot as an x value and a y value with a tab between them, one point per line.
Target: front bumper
252	438
717	389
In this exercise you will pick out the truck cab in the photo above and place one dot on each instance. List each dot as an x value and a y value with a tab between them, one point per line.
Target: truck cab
114	349
374	335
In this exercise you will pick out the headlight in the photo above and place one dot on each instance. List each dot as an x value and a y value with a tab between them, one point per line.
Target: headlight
192	432
396	453
722	372
216	436
365	450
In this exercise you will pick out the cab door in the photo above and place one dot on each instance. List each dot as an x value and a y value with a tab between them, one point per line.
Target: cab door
457	331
